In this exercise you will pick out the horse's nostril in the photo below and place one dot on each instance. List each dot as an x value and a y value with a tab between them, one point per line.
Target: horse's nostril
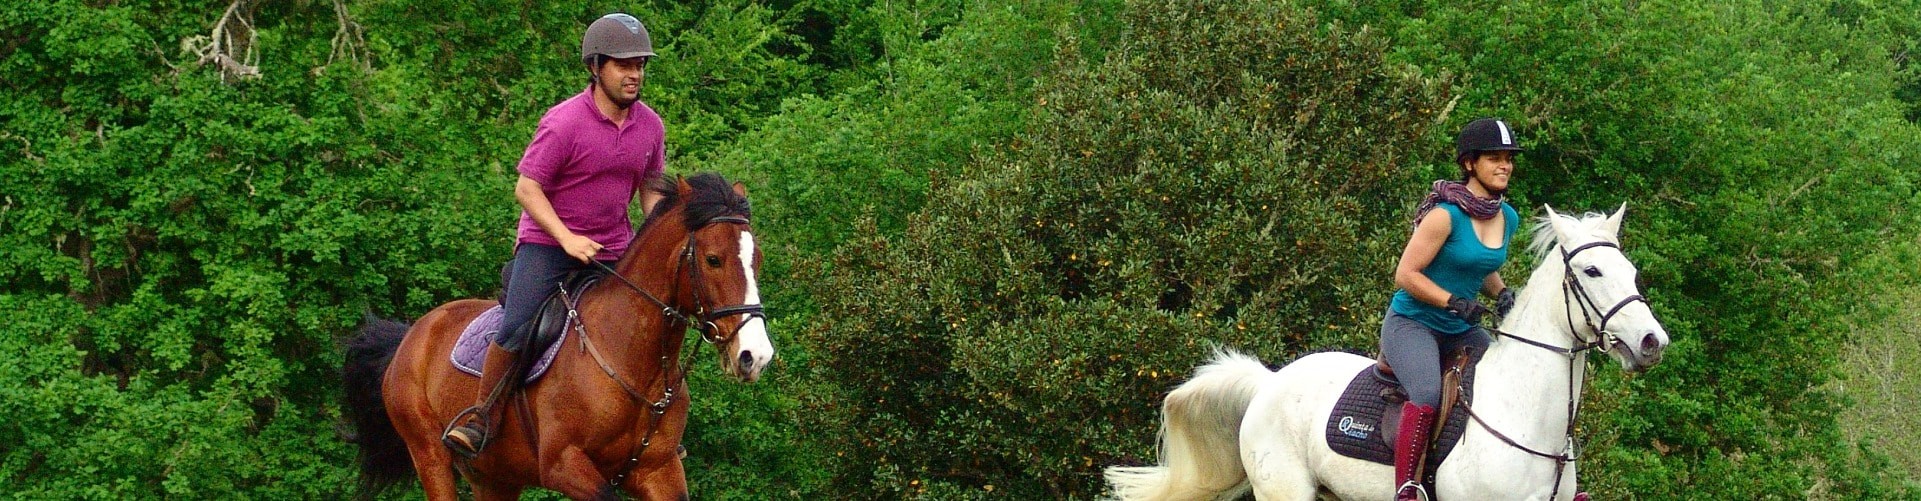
746	360
1649	343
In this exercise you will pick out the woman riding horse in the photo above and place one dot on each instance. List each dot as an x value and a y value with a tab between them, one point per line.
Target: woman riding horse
1238	425
1444	263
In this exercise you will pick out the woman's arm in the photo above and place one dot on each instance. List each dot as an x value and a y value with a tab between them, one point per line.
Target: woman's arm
1421	248
1493	285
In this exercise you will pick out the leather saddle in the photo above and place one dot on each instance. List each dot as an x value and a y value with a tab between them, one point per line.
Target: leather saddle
1453	367
547	325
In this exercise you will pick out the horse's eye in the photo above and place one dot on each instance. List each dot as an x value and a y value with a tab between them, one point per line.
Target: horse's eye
713	261
1592	271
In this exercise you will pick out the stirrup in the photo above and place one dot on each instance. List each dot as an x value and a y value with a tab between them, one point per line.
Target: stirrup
458	424
1420	492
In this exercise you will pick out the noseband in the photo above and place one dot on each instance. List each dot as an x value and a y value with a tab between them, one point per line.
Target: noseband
708	330
1572	287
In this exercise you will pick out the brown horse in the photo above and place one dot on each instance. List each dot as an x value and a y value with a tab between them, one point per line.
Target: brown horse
610	411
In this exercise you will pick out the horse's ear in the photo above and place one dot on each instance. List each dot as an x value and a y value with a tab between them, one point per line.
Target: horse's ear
1613	223
1555	221
740	189
681	186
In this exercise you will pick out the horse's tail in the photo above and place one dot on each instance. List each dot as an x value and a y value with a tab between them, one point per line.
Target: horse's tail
383	455
1200	435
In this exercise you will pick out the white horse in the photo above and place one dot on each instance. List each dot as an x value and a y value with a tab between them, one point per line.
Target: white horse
1238	426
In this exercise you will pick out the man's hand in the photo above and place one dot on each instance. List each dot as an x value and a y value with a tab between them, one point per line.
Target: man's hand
580	247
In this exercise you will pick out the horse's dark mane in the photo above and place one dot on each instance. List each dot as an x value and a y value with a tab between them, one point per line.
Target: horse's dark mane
710	196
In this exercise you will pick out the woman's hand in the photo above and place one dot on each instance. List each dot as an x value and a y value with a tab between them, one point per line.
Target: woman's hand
1466	308
1504	302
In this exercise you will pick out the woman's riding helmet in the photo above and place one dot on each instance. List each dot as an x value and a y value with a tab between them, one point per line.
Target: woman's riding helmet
1486	134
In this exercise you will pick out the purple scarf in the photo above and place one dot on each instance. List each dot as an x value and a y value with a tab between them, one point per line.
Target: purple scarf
1457	194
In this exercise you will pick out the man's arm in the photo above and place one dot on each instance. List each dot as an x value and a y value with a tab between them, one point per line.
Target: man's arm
534	200
648	198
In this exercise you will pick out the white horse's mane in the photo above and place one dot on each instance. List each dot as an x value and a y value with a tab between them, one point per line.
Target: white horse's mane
1544	238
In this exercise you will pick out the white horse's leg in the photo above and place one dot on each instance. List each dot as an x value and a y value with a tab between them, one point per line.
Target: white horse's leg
1277	468
1281	442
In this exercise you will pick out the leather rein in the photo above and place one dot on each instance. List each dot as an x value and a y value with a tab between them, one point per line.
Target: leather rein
1570	288
709	332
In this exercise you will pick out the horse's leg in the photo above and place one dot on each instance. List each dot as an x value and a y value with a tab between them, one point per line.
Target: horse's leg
435	465
1275	470
1278	475
419	374
668	483
574	475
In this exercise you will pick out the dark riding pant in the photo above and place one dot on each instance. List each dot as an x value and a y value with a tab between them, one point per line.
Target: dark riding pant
1414	350
535	273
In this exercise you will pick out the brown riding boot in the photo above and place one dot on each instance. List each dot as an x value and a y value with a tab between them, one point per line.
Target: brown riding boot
471	428
1410	450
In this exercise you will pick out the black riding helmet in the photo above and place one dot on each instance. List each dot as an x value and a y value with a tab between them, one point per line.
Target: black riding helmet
1486	134
616	35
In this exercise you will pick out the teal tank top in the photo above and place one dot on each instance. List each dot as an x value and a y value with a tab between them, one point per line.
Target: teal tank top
1460	267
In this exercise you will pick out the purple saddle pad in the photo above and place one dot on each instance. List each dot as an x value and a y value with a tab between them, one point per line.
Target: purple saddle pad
470	352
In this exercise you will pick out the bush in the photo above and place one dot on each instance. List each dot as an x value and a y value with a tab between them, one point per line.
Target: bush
1223	175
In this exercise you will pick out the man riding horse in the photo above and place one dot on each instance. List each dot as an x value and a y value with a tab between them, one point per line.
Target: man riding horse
590	157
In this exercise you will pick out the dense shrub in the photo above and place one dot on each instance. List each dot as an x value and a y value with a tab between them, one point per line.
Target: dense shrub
1226	174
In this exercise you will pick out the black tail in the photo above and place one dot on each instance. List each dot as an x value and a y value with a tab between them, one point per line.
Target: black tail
383	455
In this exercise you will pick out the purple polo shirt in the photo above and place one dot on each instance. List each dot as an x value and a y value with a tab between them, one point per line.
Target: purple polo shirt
590	169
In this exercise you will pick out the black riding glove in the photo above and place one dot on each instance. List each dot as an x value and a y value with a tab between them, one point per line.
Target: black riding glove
1504	302
1466	308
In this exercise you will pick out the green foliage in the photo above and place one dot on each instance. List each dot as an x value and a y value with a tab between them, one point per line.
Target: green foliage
184	245
1084	267
869	148
1755	169
1886	341
981	284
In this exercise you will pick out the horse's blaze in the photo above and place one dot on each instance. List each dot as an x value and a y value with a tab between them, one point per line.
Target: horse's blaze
752	344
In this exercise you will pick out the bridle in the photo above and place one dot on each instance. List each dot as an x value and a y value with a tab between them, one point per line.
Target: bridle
708	330
1604	340
706	315
1571	288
